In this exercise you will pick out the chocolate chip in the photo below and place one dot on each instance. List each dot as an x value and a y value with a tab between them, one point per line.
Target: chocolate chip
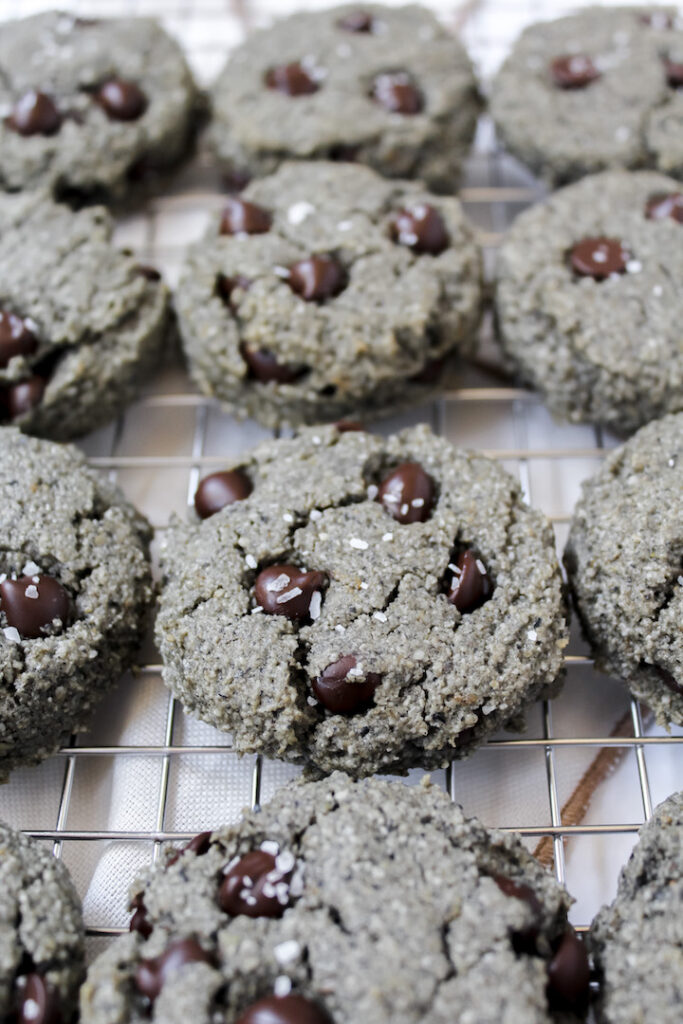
291	1009
430	372
469	587
121	100
421	228
356	21
665	205
226	285
39	1002
317	278
18	399
264	366
240	217
407	493
524	940
599	257
255	887
287	590
151	273
291	79
674	73
16	338
199	844
574	72
151	974
396	91
340	691
668	680
31	603
140	922
348	426
35	113
221	489
568	975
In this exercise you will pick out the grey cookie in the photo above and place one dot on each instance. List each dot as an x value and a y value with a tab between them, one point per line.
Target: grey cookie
621	101
384	904
624	557
81	324
41	933
424	132
637	942
115	104
430	679
600	349
75	587
390	300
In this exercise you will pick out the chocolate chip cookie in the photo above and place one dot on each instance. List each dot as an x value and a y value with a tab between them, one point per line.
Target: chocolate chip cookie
74	588
81	323
325	291
371	604
589	302
91	107
637	942
41	934
388	87
343	901
624	557
599	88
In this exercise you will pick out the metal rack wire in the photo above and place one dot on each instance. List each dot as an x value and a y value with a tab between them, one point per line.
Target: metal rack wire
493	194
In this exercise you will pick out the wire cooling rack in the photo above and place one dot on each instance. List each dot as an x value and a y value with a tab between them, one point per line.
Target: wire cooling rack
580	780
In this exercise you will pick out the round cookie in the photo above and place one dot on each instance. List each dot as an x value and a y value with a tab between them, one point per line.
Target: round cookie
600	88
624	558
387	87
373	604
92	107
81	323
369	900
41	933
588	301
637	942
324	291
75	585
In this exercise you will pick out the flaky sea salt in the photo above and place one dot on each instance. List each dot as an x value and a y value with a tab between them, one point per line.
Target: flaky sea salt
356	542
30	569
12	634
288	595
315	605
251	561
287	951
282	986
32	591
298	212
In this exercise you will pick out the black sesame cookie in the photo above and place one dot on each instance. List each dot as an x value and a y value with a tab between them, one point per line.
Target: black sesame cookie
600	88
370	604
91	107
588	298
637	942
388	87
75	585
325	290
41	934
624	558
81	323
340	902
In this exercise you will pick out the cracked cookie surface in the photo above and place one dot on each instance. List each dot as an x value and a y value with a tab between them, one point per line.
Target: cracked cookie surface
75	585
92	107
637	941
41	933
588	299
393	90
81	323
599	88
396	908
324	291
624	558
445	593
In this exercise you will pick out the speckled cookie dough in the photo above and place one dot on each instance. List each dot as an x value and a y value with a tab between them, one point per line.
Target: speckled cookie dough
75	585
92	108
624	557
386	87
637	942
600	88
41	933
371	605
327	291
81	324
589	303
366	901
